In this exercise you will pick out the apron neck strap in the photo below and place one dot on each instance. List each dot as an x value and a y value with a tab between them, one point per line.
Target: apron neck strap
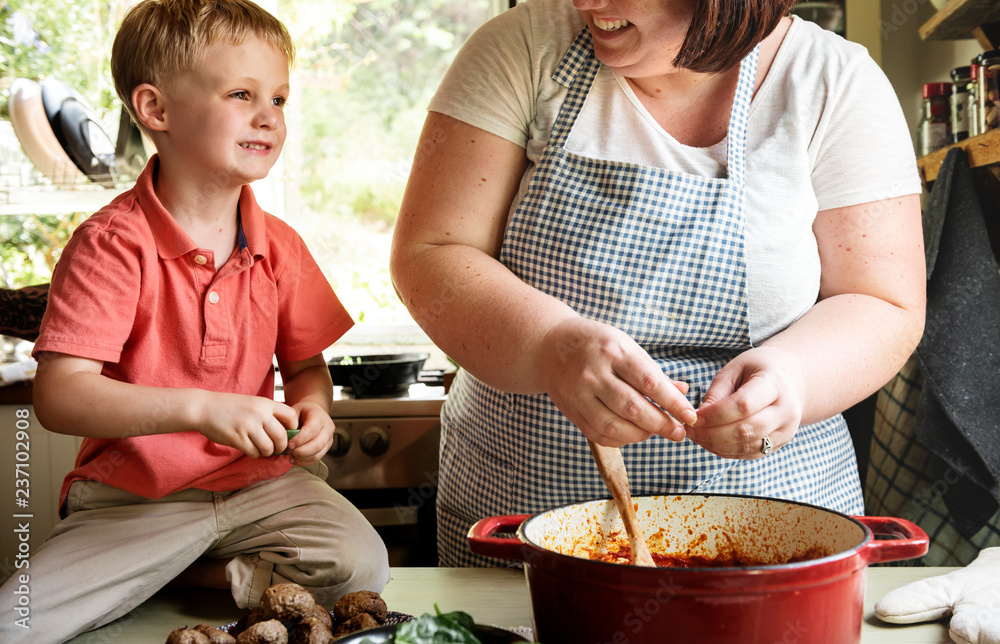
579	67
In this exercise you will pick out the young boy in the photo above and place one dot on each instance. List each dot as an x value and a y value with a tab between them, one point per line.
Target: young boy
165	313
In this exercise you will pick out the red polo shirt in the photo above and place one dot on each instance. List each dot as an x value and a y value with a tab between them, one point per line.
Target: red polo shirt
133	290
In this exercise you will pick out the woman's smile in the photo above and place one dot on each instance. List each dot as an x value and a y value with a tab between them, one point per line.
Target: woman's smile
610	25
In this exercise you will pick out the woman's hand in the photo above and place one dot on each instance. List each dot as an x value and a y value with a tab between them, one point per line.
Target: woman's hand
759	393
254	425
315	437
609	387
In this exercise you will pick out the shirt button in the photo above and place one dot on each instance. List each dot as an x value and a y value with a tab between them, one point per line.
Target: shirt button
200	260
213	297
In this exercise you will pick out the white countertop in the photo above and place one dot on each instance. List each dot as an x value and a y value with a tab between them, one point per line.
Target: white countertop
497	596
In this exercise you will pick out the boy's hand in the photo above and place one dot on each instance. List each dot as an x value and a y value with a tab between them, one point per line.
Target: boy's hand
315	437
252	424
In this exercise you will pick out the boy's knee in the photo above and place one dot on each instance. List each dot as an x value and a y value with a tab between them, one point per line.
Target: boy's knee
361	564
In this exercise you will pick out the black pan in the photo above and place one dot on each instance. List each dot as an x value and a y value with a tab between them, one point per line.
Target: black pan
376	375
78	130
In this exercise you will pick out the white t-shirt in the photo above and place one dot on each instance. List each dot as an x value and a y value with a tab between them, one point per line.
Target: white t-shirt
825	131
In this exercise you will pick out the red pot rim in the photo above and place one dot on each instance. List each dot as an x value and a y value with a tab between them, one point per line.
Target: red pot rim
727	570
911	542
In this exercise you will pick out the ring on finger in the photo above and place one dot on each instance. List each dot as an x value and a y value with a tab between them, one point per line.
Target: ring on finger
767	447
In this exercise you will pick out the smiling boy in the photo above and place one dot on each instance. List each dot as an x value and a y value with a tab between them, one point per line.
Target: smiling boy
166	311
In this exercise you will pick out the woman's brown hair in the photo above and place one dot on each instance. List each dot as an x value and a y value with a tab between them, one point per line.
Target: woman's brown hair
723	32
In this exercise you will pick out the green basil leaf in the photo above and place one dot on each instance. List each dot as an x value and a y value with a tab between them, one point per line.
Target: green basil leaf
443	628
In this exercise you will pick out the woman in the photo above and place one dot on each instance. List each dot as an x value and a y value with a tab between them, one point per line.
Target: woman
686	226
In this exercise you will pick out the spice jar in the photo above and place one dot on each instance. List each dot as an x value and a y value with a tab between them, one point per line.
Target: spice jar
988	91
960	80
934	131
973	109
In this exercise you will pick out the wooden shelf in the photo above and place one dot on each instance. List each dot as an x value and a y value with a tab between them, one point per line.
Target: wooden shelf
961	19
983	150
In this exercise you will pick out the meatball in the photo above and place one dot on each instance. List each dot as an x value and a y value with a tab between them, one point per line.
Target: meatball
311	631
185	635
287	602
323	615
359	622
270	632
248	620
363	601
215	635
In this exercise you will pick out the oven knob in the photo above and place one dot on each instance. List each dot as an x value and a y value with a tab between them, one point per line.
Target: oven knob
341	442
374	441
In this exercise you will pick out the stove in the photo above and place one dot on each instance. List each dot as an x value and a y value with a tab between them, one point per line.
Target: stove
421	399
386	442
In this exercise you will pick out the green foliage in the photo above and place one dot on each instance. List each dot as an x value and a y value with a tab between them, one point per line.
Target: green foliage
365	86
364	74
32	245
73	45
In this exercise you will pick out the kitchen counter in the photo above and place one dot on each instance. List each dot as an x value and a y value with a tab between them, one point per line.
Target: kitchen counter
497	596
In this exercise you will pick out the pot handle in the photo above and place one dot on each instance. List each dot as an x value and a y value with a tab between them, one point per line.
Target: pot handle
482	541
910	542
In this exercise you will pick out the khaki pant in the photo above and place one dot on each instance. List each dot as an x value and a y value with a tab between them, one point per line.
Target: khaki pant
115	549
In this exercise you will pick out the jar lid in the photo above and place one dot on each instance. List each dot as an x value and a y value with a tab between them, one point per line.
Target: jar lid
988	57
936	89
961	72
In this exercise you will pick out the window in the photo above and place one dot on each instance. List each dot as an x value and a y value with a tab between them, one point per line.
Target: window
364	73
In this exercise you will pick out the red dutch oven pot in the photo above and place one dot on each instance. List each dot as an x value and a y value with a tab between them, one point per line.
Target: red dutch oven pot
813	601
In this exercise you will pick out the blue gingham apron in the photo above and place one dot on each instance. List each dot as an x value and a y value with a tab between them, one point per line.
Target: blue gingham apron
659	255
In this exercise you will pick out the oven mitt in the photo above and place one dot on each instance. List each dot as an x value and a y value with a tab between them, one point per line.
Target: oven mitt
971	595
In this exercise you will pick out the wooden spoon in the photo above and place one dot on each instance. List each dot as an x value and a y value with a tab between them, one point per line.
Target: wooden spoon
612	468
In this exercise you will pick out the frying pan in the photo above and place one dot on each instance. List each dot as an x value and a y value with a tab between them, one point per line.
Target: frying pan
87	143
376	375
31	125
78	129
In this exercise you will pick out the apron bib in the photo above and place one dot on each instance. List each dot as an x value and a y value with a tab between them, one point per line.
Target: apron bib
660	256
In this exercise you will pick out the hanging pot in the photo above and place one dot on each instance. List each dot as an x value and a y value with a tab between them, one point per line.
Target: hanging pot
804	582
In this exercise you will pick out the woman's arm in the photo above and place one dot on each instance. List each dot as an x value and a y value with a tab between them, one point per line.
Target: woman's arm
510	335
72	397
867	321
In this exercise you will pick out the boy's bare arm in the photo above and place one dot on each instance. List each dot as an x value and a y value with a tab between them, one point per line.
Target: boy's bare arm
309	390
72	397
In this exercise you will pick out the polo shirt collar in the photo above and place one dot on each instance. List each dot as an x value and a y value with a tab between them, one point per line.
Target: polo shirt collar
252	234
171	240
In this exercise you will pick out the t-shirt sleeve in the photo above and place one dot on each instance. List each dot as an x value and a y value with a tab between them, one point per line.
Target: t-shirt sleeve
864	152
489	85
93	297
310	315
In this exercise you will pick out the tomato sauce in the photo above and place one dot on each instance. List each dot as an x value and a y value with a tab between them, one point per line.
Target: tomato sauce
623	555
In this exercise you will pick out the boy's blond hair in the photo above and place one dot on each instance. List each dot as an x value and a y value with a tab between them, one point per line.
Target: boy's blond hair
159	39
